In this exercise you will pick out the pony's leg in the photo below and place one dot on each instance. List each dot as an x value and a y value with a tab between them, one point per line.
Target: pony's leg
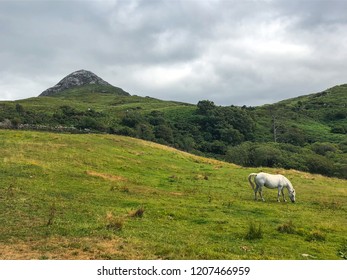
278	195
261	194
283	196
255	193
257	189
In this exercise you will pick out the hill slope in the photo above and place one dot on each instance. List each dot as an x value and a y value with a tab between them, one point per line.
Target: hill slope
88	196
321	116
307	133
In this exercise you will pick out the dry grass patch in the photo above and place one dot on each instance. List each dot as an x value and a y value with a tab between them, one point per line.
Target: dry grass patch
114	223
61	248
106	176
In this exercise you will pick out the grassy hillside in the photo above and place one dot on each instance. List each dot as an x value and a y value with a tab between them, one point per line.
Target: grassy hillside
103	99
88	196
320	116
308	133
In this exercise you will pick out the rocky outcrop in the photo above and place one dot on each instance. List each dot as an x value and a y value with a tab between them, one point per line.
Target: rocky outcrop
77	78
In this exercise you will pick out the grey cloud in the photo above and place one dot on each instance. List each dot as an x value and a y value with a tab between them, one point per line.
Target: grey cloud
232	52
313	15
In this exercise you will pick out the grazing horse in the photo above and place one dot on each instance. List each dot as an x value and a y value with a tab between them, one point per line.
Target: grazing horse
271	181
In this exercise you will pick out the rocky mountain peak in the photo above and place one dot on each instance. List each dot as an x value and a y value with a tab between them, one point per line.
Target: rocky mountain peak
77	78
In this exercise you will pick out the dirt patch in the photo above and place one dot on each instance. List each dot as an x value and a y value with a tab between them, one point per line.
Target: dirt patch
176	193
59	248
106	176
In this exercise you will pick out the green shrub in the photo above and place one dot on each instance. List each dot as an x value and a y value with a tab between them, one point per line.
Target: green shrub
266	155
51	215
254	232
287	228
114	223
137	213
319	164
323	148
315	235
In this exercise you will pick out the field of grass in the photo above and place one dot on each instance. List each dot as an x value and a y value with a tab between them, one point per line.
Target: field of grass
100	196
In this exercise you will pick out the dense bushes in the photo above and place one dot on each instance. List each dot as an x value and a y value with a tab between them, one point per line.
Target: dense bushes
286	156
210	130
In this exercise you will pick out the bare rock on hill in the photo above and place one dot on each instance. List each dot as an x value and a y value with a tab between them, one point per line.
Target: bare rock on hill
75	79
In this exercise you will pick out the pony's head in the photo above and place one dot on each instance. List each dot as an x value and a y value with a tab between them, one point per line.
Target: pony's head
292	195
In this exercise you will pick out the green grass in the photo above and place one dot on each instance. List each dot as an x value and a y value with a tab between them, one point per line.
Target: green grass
110	197
100	98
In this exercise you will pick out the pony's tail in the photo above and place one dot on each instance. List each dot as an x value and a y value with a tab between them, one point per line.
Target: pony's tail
250	179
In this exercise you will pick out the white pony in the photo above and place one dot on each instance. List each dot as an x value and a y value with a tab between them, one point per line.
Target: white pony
272	182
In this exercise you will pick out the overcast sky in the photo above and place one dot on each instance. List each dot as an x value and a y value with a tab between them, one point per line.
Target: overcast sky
230	52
